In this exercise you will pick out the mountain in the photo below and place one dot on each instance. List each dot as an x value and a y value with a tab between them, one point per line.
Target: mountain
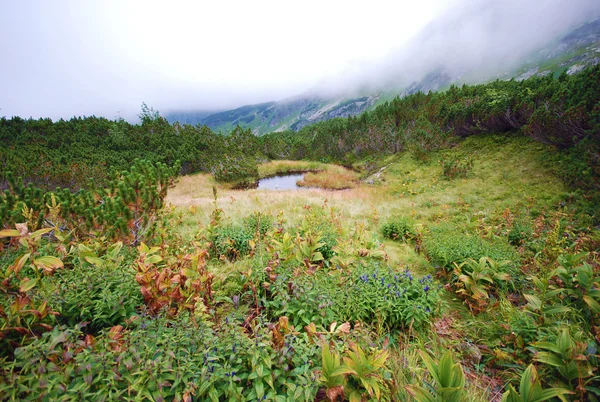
571	53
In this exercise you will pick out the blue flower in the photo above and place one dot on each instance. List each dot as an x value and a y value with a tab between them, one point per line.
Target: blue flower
426	288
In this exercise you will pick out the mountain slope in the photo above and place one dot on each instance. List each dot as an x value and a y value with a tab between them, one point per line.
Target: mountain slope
572	53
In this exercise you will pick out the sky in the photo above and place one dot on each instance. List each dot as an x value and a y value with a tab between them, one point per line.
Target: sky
71	58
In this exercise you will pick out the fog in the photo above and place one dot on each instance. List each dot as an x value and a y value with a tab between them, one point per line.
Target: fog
66	58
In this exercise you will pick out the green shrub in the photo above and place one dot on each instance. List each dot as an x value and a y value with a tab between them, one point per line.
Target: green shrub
304	299
102	296
401	229
396	299
446	245
520	232
231	241
258	223
455	166
241	170
371	294
162	359
103	293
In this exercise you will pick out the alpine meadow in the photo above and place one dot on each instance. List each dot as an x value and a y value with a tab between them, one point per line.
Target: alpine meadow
442	243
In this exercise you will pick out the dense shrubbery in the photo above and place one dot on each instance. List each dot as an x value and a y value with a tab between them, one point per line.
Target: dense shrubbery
100	291
401	228
231	241
69	154
124	207
454	167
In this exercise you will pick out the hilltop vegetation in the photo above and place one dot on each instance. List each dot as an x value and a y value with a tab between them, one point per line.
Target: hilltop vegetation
464	267
571	53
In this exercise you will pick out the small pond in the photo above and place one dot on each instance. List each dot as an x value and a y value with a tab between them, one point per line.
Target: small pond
283	182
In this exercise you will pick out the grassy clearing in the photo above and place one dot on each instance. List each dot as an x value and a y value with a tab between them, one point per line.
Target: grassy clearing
509	177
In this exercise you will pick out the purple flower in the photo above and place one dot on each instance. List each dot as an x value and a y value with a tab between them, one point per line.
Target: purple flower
426	288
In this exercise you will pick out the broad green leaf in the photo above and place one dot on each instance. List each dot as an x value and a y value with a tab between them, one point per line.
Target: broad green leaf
534	301
592	303
48	262
27	284
9	233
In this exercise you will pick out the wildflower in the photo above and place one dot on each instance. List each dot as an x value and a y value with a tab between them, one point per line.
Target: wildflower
426	288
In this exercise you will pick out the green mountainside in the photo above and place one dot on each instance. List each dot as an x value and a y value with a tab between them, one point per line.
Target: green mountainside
572	52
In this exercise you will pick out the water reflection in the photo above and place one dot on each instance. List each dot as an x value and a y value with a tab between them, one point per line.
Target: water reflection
287	182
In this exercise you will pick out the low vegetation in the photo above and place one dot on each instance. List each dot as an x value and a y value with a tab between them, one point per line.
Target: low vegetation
448	279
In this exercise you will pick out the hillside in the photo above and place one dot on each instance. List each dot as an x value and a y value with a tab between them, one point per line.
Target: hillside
572	52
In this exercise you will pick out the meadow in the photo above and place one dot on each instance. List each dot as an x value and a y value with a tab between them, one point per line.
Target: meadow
451	254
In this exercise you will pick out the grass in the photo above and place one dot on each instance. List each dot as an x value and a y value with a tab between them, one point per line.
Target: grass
332	178
509	173
281	167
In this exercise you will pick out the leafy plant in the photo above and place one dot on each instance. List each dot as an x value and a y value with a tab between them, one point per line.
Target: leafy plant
570	360
231	241
99	290
360	376
530	389
447	245
580	283
401	229
258	223
396	300
476	280
448	377
175	285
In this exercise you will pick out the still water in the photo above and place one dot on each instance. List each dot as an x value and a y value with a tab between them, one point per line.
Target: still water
286	182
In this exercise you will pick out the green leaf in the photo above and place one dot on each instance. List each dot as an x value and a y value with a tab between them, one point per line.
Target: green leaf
27	284
94	261
534	301
9	233
48	262
592	303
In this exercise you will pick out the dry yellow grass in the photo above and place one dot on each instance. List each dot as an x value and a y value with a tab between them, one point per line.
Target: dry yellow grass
333	178
284	166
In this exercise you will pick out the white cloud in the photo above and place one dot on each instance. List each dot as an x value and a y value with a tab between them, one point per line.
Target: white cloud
65	58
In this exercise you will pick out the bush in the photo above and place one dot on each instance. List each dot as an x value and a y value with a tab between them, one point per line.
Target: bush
401	229
446	245
371	294
258	223
231	241
398	300
162	359
102	294
455	166
241	170
520	232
